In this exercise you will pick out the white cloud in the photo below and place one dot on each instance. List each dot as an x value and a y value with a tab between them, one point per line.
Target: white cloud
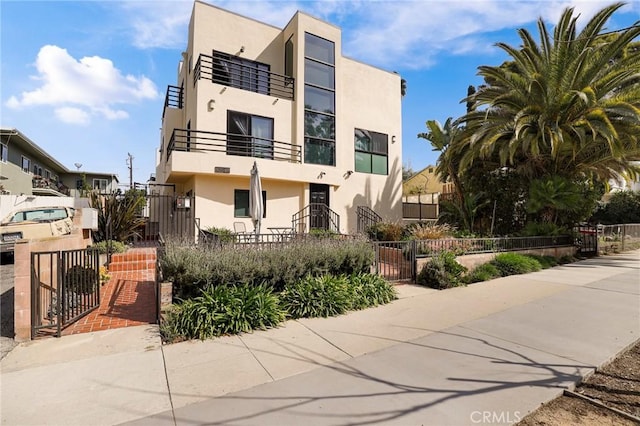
80	88
72	115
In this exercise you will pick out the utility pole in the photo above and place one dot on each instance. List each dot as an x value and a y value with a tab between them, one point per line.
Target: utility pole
130	164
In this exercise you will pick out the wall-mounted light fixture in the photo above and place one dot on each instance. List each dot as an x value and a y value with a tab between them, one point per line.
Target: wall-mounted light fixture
393	139
321	175
241	49
210	104
348	173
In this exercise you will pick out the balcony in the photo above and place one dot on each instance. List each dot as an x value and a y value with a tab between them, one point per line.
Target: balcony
240	73
43	186
233	144
174	98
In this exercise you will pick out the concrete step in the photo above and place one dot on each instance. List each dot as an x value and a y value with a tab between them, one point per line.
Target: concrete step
133	256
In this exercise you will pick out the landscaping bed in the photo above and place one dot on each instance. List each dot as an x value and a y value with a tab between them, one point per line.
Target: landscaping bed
617	385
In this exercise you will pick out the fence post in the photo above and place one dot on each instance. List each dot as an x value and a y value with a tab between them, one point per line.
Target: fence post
624	235
414	263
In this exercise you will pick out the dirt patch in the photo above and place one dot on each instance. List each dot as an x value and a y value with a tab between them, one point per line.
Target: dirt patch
617	385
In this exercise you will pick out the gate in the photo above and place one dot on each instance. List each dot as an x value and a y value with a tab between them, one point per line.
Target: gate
395	260
587	240
65	286
170	216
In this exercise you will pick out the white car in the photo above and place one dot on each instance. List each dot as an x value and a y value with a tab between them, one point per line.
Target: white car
35	223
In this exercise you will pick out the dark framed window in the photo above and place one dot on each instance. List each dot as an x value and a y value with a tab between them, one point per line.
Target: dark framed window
249	135
318	151
100	184
240	73
319	101
4	153
288	57
319	48
26	164
371	152
241	203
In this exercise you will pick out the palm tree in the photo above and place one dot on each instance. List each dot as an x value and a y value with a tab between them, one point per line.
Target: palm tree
568	106
550	196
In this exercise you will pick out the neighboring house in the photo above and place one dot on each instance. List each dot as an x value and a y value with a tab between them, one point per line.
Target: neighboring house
624	184
324	130
25	168
426	185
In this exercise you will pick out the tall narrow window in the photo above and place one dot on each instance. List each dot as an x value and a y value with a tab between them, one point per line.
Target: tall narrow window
371	152
26	164
100	184
4	153
319	101
249	135
288	57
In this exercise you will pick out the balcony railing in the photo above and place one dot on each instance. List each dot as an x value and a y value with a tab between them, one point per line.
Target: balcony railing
39	182
232	144
240	73
174	98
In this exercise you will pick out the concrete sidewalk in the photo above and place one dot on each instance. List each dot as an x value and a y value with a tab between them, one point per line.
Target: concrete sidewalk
490	351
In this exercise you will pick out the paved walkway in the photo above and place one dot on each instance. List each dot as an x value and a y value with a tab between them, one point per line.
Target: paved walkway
128	299
496	349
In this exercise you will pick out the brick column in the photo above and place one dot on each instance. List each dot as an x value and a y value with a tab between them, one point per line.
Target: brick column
22	291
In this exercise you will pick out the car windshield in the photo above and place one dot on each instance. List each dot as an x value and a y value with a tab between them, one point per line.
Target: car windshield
39	215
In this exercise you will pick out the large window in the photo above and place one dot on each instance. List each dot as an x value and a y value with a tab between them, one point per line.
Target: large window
371	152
288	57
100	184
240	73
4	153
319	101
249	135
241	203
26	164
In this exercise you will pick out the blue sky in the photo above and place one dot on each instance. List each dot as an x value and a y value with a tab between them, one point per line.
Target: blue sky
86	80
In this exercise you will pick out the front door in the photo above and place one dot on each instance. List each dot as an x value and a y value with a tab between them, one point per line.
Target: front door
319	201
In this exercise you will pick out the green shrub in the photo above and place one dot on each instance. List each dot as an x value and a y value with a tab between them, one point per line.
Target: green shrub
322	296
323	233
81	280
224	235
192	268
114	246
224	310
566	259
370	290
484	272
442	271
538	229
545	262
514	264
386	231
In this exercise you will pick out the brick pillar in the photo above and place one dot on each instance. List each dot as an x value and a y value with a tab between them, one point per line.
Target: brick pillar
22	291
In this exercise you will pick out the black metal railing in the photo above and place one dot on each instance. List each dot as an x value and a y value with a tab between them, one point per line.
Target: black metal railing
65	286
419	211
232	144
316	216
366	218
490	245
241	73
174	98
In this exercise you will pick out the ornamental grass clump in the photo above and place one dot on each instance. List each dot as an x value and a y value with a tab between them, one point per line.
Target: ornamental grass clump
370	290
431	231
484	272
224	310
514	264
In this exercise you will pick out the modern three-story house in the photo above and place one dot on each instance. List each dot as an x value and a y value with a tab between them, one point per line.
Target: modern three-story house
323	129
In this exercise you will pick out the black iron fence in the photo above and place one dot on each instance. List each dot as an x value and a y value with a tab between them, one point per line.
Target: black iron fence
186	140
366	218
166	216
65	286
241	73
316	216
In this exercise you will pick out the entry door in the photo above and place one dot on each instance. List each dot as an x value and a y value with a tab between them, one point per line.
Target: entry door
319	198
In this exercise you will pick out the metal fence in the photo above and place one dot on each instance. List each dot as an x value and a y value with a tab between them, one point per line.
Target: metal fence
620	237
65	286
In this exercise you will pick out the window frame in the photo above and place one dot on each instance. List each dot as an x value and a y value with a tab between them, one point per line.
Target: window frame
245	192
372	152
252	148
106	183
22	164
4	152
